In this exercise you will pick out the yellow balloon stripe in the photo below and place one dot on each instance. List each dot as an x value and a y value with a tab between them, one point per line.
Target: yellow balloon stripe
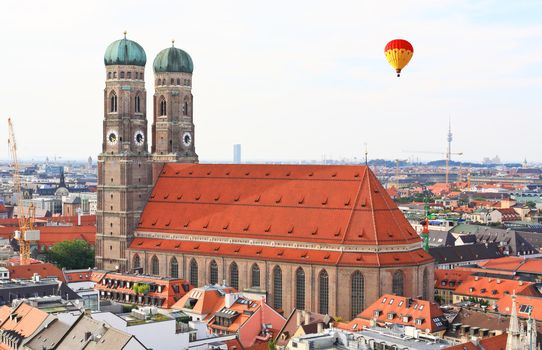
398	58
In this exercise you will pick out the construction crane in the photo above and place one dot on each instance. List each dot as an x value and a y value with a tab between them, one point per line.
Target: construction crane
447	156
26	232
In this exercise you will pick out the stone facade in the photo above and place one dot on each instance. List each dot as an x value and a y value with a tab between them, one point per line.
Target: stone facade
376	281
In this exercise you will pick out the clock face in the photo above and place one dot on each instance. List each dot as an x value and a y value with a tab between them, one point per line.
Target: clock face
187	139
112	137
139	138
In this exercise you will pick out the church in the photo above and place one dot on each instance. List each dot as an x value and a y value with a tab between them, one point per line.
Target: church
328	239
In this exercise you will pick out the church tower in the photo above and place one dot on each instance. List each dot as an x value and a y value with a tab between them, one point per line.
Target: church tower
124	167
173	125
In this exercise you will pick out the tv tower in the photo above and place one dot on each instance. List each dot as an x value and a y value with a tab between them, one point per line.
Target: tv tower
449	150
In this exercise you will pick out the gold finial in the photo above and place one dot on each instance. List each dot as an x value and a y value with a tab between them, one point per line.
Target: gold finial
172	42
125	32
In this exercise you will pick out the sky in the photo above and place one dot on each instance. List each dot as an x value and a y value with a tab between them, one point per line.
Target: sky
289	80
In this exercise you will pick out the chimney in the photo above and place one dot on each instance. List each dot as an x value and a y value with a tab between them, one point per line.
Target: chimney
79	216
298	317
229	299
307	317
320	328
87	335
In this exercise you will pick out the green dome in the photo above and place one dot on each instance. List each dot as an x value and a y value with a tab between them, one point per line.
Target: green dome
173	59
125	52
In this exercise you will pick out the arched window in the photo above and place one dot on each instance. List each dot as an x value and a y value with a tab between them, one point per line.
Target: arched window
137	104
155	266
108	75
255	275
122	75
234	276
323	286
141	75
136	75
178	81
277	287
113	102
185	108
172	81
194	272
136	262
163	106
213	272
426	295
129	75
174	268
357	293
300	289
397	283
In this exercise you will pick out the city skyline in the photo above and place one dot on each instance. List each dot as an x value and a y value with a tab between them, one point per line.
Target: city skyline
256	84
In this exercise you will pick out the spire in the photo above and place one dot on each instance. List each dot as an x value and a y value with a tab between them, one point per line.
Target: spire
513	342
172	42
125	32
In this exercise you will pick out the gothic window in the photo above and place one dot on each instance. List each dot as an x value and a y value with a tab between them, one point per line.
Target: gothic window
136	262
122	75
185	108
300	289
194	272
213	272
397	283
357	293
255	274
129	75
174	268
155	266
163	106
113	102
277	287
323	286
234	276
137	104
426	295
178	81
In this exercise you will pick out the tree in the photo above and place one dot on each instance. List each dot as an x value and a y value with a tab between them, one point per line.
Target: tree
75	254
140	288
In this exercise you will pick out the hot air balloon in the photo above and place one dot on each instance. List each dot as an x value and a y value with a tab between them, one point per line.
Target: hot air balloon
398	53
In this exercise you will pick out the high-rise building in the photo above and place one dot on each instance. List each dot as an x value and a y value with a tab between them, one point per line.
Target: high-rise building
237	154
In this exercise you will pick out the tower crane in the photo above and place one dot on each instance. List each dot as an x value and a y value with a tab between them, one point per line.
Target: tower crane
26	232
446	154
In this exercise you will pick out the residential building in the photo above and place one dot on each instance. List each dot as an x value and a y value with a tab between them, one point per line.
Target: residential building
446	281
489	289
451	257
302	322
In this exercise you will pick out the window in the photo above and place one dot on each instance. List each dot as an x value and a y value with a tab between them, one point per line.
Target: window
136	262
114	75
426	284
137	104
323	284
194	272
129	75
277	287
300	289
174	267
172	81
234	276
178	81
113	102
357	293
255	275
155	265
185	108
398	283
141	75
122	75
108	75
163	106
213	272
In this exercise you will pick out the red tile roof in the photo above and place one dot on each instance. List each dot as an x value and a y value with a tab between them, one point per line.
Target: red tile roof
422	314
524	305
318	204
297	255
50	235
450	279
26	320
26	272
494	288
497	342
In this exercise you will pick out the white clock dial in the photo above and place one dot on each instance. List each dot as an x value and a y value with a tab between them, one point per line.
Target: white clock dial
187	139
139	138
112	137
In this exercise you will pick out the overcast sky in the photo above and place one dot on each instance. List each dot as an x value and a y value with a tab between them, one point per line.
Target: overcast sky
287	79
